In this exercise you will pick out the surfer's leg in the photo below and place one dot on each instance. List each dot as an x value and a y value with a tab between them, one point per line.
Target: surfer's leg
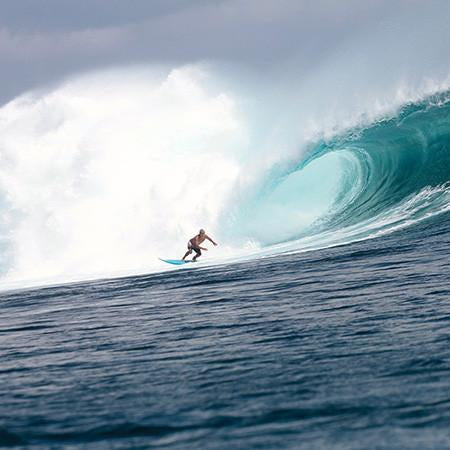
186	254
189	247
198	253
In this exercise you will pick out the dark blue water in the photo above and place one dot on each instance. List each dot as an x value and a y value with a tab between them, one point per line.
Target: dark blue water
347	347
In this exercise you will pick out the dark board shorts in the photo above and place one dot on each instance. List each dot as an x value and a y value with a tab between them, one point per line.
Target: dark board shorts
192	247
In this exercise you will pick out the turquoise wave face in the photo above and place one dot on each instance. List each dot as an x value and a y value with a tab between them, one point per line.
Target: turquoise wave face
369	180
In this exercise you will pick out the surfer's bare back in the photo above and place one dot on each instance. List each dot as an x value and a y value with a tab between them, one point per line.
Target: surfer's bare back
194	244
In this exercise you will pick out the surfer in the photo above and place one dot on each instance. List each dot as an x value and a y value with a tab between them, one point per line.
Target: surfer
194	244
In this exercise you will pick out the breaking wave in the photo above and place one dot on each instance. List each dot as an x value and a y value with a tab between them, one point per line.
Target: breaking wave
103	174
364	182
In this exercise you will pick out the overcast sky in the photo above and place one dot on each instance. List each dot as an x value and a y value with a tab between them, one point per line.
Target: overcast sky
43	40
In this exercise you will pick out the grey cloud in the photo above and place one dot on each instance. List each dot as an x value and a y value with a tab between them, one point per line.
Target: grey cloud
38	46
71	15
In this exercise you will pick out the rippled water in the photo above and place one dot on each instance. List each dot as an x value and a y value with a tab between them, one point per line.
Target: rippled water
347	347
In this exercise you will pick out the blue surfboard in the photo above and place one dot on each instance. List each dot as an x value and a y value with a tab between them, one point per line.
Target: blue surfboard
175	262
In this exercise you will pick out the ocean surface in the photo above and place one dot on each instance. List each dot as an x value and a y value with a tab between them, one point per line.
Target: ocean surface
346	347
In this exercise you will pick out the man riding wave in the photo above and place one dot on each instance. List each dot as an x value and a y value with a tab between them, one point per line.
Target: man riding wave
194	244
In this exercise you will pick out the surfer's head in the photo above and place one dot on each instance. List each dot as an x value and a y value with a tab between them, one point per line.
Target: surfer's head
202	231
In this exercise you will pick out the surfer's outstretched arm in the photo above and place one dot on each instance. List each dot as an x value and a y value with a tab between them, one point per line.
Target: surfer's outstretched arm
209	239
